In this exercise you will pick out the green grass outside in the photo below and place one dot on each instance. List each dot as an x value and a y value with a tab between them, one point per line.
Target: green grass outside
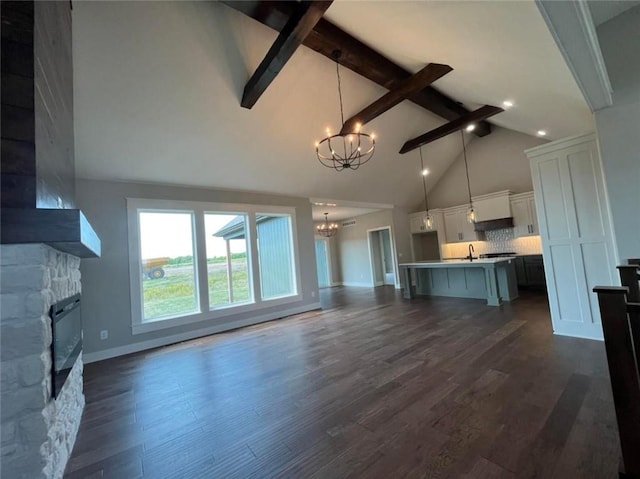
174	294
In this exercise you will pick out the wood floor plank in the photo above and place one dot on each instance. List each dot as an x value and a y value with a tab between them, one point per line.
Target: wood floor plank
370	386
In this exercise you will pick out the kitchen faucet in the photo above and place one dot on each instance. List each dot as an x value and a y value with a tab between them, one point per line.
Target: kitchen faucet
470	251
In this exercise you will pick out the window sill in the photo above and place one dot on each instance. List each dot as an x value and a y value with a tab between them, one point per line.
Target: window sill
213	315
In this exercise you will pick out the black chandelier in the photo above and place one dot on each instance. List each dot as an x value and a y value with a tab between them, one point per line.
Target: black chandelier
345	151
427	220
327	229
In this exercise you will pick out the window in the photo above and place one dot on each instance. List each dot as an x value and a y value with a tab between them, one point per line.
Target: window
227	260
168	270
275	254
194	261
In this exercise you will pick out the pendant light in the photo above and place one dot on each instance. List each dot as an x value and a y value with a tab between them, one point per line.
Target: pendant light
471	213
427	221
349	150
327	229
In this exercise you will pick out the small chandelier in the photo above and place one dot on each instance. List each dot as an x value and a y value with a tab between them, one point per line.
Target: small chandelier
471	213
345	151
327	229
428	219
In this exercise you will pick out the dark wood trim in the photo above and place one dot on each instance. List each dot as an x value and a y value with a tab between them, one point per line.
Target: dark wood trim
299	25
326	37
481	113
406	88
623	372
629	276
66	230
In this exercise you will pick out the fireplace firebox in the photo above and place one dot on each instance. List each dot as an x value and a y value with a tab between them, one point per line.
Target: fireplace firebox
66	324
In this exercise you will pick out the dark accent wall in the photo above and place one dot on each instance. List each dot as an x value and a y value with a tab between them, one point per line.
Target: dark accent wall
37	166
18	115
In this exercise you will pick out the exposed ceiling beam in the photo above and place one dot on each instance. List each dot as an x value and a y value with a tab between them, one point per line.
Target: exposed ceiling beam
298	26
356	56
481	113
406	88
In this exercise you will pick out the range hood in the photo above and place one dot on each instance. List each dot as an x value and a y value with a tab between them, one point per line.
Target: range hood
496	224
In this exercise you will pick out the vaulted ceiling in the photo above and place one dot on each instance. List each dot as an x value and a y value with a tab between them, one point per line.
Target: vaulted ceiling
158	89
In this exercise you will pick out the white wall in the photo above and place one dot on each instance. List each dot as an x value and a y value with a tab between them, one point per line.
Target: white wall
106	302
496	162
619	128
334	259
355	264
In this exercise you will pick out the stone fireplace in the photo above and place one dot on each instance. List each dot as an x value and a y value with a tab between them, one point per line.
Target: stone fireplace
42	238
38	431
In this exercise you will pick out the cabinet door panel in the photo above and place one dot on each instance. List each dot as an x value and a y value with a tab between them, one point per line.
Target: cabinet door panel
535	273
533	215
415	223
451	227
521	220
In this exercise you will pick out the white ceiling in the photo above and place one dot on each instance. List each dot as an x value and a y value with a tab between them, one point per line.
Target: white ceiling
604	10
498	49
157	89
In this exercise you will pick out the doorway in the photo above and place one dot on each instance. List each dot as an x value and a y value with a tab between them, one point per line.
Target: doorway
322	263
382	257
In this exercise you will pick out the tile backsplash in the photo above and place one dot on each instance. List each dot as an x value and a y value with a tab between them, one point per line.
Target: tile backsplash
497	241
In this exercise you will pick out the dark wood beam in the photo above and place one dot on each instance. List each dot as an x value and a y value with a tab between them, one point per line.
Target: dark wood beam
481	113
404	90
356	56
298	26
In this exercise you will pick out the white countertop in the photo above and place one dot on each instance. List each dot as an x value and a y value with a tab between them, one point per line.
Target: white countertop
446	263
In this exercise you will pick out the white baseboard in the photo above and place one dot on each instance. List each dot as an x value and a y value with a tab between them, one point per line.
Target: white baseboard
357	285
177	338
578	336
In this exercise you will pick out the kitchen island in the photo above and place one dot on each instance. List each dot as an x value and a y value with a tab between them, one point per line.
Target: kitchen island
492	279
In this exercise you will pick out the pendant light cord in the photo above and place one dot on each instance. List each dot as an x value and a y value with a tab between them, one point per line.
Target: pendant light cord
339	91
466	166
424	182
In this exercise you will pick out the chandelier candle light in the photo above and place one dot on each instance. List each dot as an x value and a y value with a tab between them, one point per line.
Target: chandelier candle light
428	219
471	213
349	150
327	229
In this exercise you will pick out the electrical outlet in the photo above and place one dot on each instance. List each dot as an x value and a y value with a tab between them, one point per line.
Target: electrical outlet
313	294
104	334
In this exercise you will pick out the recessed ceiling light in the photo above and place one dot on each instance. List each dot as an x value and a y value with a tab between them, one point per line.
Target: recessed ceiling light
507	103
542	133
471	127
425	172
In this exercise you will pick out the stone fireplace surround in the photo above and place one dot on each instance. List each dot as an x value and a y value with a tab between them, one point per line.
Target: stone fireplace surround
38	432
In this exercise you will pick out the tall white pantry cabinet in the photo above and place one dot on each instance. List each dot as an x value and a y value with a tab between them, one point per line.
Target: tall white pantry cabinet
576	231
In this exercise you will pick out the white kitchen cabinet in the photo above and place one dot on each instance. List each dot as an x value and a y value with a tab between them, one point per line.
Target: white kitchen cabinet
523	210
576	233
457	228
417	225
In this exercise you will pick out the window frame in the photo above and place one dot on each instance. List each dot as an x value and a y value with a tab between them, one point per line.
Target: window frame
199	209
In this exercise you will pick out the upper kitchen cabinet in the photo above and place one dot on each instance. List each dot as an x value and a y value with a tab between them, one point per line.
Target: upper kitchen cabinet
523	209
456	226
417	221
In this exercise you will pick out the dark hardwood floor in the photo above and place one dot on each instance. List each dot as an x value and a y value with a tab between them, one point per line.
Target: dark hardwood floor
373	386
